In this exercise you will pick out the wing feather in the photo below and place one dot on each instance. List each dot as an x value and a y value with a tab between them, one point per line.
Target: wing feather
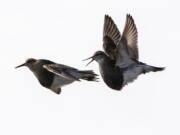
61	70
130	37
111	36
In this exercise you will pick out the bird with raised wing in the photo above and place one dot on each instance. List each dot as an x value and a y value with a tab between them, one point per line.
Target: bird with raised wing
53	76
119	63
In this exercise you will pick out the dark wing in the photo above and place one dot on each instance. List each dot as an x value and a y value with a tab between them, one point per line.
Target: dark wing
130	37
111	36
62	70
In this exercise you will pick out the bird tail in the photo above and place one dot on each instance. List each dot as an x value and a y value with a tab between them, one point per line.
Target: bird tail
148	68
88	75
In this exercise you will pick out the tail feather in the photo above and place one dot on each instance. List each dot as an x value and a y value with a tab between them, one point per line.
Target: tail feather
158	69
88	75
148	68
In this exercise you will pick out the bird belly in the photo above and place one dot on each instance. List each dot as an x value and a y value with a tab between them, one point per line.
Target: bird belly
131	74
59	81
112	78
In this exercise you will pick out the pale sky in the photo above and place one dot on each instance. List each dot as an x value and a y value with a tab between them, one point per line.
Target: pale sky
68	31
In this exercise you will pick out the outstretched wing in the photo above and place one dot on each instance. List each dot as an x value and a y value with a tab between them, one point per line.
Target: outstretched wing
130	37
111	36
61	70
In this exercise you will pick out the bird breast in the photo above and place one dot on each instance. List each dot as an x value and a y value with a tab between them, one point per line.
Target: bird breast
112	76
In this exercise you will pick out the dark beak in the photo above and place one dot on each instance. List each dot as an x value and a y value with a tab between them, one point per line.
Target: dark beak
21	65
92	59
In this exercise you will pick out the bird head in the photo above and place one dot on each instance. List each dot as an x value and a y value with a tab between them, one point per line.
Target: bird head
29	62
98	56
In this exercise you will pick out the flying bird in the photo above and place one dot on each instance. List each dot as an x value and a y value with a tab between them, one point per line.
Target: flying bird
119	63
53	76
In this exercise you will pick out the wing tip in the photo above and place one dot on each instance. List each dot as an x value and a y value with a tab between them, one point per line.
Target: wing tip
128	15
129	18
106	16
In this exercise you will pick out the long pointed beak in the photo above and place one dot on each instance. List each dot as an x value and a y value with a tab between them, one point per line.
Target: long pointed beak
92	59
21	65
